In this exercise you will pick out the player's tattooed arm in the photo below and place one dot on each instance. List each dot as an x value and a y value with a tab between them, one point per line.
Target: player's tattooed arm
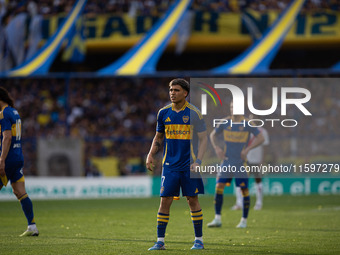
155	147
157	143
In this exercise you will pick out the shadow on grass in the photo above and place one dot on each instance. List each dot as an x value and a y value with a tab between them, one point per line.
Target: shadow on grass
152	241
176	246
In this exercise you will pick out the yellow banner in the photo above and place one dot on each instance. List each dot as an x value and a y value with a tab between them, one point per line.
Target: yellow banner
107	166
218	30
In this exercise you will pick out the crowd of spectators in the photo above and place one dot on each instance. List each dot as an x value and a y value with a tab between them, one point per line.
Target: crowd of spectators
117	117
156	7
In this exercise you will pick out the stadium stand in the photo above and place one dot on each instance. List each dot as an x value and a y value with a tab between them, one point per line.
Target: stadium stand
116	117
117	121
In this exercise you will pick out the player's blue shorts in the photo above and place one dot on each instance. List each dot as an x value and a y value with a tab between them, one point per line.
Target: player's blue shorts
14	171
232	170
240	182
173	181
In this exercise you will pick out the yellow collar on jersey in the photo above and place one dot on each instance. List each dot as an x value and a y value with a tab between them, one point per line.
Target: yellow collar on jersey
182	109
3	108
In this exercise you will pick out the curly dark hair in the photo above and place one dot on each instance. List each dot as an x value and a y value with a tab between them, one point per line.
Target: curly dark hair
4	96
181	82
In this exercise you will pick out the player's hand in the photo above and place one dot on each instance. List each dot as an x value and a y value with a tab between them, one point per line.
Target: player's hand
150	162
244	154
219	153
195	168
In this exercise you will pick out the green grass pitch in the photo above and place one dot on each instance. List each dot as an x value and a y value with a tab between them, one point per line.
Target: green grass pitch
286	225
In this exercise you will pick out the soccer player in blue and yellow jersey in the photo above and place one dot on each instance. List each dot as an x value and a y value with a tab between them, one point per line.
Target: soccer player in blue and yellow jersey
236	133
181	127
12	159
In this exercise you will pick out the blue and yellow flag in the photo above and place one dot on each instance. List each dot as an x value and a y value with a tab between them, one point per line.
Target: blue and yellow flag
75	49
40	62
259	56
143	57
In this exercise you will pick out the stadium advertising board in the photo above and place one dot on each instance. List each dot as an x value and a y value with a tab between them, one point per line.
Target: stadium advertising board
131	187
276	186
83	188
298	186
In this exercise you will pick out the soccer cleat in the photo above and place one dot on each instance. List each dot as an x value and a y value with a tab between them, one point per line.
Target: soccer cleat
236	207
157	246
257	207
30	232
242	224
198	245
215	224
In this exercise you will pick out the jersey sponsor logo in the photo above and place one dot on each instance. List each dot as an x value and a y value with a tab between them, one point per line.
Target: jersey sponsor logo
168	119
185	119
177	131
236	137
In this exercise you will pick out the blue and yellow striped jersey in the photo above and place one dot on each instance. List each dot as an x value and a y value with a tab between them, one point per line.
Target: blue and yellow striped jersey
236	137
10	120
181	140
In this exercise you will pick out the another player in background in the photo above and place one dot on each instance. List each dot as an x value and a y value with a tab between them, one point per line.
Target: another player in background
236	133
255	157
181	127
12	159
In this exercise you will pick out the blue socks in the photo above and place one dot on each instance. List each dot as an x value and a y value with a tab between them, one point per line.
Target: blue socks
197	220
27	207
246	205
162	222
218	201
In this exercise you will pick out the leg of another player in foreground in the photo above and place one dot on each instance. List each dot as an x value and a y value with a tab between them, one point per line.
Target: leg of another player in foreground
259	194
162	222
245	210
217	221
239	200
27	207
197	220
